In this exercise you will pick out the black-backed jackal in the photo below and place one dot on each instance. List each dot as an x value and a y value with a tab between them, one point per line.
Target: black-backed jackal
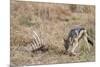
74	36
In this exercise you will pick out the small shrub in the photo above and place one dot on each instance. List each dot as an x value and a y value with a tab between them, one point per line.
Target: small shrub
75	18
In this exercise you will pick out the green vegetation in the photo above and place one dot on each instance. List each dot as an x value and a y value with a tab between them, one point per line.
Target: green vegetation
25	21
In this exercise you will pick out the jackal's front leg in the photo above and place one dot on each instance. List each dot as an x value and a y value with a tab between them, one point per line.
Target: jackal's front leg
75	44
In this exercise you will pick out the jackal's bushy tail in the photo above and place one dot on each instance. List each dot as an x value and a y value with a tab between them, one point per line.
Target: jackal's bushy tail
90	40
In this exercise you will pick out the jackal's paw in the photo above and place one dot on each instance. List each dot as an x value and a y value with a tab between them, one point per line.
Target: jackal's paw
66	52
72	54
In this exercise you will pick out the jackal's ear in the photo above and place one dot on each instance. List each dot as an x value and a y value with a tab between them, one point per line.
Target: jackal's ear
64	39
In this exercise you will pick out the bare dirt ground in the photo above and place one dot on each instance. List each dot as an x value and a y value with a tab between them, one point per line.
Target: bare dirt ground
52	22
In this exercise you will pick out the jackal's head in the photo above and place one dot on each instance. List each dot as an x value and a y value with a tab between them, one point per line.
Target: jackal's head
66	44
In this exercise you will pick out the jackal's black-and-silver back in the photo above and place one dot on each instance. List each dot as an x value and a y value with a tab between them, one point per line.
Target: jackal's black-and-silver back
74	33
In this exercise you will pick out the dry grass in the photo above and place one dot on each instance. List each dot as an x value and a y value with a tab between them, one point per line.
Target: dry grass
52	22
